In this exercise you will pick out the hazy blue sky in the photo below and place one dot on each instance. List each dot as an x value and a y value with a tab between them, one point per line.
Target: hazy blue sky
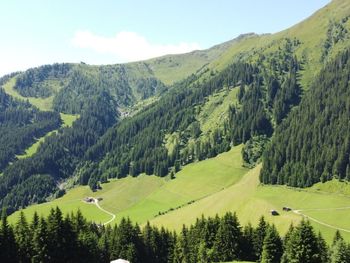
114	31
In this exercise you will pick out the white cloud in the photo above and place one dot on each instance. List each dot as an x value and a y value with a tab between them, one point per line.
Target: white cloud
128	46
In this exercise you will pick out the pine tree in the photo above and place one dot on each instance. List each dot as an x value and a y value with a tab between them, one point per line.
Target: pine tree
23	236
272	247
40	242
8	247
302	245
181	250
227	242
339	252
103	247
202	253
35	222
323	248
259	237
247	243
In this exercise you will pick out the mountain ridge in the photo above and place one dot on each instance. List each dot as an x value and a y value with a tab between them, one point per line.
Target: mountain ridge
269	74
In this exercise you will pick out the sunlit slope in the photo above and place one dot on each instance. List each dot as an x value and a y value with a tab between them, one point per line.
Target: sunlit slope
312	34
251	201
194	182
118	194
143	197
44	104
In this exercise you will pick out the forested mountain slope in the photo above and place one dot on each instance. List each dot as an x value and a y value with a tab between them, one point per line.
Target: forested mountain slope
313	142
254	83
20	124
271	72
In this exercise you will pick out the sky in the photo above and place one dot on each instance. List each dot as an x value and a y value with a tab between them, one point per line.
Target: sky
41	32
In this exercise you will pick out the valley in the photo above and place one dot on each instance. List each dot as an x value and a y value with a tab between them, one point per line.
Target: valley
209	187
240	151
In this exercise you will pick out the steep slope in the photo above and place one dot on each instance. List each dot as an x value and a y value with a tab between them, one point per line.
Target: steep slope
145	197
313	142
172	68
268	74
20	125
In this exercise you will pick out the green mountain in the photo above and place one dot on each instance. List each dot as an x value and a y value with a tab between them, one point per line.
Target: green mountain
156	117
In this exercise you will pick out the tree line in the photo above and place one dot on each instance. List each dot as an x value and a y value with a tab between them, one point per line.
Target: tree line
33	179
20	125
71	238
33	82
136	145
313	143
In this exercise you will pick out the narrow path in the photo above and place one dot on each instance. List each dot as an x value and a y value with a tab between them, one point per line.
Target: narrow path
298	212
104	210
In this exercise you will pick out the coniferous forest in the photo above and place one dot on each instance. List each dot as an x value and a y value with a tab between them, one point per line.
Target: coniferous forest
71	238
99	147
313	143
283	99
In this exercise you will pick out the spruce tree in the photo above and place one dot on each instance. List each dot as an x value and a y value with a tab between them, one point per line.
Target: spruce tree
181	250
40	242
248	243
259	237
227	242
339	252
8	247
272	246
302	245
23	236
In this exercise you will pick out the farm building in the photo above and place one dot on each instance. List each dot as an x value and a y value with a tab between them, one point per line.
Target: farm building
89	200
287	209
274	213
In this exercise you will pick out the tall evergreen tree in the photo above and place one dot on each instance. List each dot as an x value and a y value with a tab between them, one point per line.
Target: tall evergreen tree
181	249
272	246
259	237
340	251
40	242
227	242
23	235
303	246
8	246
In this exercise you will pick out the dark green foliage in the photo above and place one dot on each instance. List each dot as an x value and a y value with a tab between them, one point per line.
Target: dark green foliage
32	82
149	87
227	245
253	150
115	80
272	247
20	125
313	143
336	32
269	96
56	158
136	145
247	242
33	190
303	246
339	251
259	237
73	239
8	245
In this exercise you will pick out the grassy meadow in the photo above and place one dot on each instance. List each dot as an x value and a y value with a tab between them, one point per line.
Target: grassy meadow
209	187
44	104
143	197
